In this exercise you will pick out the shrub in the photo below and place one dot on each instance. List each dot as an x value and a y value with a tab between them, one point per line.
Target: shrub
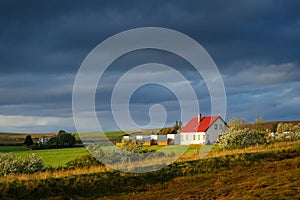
83	161
288	132
9	164
32	163
242	138
129	153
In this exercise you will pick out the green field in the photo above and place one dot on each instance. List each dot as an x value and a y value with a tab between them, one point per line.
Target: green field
59	157
50	157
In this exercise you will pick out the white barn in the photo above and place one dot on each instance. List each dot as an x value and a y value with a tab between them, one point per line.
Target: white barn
202	130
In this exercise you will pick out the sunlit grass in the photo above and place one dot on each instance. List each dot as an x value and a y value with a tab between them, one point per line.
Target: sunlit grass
259	148
51	157
266	180
5	149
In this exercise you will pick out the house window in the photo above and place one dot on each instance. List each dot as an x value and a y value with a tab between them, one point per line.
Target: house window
198	137
216	126
181	137
203	137
187	137
194	137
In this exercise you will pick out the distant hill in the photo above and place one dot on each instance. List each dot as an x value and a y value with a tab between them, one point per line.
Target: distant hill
272	125
9	138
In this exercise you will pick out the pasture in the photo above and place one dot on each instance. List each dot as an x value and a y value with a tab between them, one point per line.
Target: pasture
50	157
59	157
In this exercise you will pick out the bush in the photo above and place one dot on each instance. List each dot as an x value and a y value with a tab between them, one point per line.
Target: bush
288	132
9	164
242	138
129	153
83	161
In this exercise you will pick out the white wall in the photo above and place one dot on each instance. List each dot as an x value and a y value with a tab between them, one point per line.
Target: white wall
154	137
192	138
171	136
139	137
215	130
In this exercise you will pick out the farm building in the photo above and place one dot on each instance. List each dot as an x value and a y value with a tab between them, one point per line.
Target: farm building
148	140
45	139
173	139
202	130
198	131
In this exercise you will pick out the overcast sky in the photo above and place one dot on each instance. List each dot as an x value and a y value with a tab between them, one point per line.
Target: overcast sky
255	45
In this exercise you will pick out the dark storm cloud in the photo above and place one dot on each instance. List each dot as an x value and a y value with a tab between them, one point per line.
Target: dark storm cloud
56	36
255	45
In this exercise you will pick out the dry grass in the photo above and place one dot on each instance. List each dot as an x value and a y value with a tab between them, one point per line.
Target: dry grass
259	148
56	174
269	180
211	151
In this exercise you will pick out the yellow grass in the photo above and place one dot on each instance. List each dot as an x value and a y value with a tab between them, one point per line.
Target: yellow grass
259	148
269	180
56	174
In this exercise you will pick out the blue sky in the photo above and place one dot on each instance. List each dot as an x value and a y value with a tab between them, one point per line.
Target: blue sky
255	45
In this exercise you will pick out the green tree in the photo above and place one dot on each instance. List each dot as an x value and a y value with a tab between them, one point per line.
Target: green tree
28	141
65	139
171	130
178	125
274	127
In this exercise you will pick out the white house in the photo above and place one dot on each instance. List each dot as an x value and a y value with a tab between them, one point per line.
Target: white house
153	137
45	139
202	130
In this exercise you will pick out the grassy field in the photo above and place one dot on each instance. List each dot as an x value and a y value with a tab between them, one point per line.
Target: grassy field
50	157
271	172
59	157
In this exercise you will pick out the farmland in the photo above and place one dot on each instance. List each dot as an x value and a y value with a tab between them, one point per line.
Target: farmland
262	172
50	157
266	171
59	157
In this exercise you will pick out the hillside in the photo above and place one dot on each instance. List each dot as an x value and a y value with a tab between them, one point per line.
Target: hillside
267	180
262	172
14	138
268	125
18	138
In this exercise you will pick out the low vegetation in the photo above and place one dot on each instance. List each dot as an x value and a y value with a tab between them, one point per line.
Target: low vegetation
10	164
236	138
221	173
242	135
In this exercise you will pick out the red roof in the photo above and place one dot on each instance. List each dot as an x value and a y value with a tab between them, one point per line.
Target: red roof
194	126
